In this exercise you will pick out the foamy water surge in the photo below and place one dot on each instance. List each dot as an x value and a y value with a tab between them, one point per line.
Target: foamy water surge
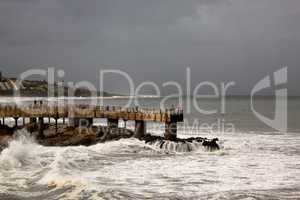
178	147
249	166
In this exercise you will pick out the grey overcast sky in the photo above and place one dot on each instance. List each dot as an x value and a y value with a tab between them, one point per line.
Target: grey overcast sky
155	40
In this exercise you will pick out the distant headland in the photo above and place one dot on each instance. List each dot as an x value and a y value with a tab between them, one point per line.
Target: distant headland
40	88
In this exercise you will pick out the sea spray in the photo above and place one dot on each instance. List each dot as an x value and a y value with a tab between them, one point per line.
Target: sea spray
18	151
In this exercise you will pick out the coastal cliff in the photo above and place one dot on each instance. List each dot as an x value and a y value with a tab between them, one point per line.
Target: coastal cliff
41	88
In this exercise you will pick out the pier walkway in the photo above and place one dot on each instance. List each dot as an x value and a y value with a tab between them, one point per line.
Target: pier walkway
78	113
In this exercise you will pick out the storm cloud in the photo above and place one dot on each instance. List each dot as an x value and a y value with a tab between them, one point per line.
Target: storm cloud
220	40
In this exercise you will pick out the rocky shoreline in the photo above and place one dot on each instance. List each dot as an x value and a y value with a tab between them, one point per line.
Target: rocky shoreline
6	134
71	136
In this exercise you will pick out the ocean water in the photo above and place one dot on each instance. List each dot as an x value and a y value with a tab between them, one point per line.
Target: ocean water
255	161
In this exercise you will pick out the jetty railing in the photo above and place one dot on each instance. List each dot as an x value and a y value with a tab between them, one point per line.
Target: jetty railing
83	111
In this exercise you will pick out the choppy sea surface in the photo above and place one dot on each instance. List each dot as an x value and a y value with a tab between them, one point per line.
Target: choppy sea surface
255	162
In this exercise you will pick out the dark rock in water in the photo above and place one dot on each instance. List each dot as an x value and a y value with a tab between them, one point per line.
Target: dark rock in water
211	145
31	127
70	136
64	135
162	144
6	134
114	134
6	130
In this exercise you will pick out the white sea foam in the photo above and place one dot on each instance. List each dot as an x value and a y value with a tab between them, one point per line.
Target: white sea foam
133	166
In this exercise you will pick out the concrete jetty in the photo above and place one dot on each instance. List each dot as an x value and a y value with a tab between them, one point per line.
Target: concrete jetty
83	115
